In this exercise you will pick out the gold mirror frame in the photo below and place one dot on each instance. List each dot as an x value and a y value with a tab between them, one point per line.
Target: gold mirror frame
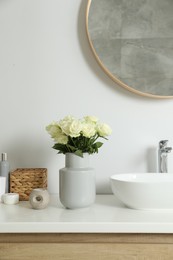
114	78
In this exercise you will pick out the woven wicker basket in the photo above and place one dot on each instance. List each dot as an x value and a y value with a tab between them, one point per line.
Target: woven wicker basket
24	180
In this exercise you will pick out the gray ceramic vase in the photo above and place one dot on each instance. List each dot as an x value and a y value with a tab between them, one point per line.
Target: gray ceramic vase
39	198
77	182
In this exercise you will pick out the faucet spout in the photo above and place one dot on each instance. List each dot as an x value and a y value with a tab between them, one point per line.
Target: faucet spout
163	152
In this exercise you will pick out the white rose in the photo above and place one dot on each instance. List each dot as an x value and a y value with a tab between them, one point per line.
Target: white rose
104	129
75	128
92	119
61	139
88	129
53	129
65	124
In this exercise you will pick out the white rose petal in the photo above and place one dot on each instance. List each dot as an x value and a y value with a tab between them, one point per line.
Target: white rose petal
61	139
88	129
65	124
104	129
75	128
53	129
92	119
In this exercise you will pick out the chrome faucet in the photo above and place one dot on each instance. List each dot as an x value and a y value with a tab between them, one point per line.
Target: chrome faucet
162	156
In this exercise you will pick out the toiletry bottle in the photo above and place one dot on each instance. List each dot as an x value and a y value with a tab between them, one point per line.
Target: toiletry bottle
5	170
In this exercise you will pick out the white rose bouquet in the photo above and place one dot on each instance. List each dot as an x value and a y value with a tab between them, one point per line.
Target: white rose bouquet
78	136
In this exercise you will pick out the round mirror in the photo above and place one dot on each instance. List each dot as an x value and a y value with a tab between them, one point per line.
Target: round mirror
133	42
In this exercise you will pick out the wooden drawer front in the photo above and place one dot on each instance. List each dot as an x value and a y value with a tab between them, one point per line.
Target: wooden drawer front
85	251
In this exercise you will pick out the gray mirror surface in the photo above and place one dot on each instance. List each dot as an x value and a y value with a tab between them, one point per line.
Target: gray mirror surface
133	42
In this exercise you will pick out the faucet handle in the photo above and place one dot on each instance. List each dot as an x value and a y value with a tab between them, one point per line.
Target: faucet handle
168	149
163	144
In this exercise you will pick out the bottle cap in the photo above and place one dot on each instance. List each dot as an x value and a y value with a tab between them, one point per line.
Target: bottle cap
4	156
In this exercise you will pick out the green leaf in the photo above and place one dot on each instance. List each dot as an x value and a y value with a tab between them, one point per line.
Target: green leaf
59	146
71	148
98	144
79	153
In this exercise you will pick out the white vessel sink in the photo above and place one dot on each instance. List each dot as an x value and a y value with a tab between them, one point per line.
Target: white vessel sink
144	190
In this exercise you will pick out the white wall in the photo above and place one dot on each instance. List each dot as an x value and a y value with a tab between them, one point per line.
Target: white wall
47	71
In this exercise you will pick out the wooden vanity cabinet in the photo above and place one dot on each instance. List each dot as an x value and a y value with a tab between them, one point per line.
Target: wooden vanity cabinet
41	246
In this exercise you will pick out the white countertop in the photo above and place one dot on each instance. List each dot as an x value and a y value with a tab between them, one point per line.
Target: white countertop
107	215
